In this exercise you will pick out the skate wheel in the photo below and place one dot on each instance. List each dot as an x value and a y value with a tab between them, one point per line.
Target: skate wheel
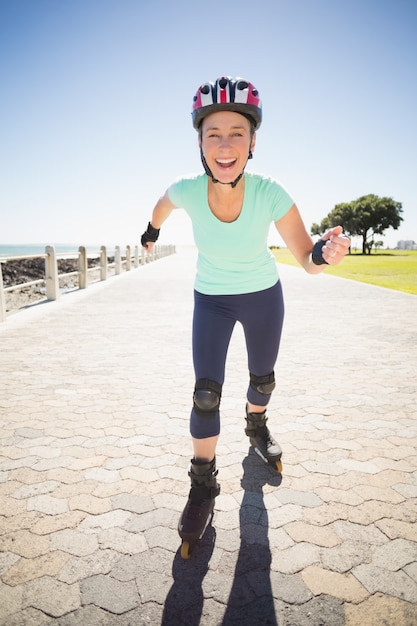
185	550
278	466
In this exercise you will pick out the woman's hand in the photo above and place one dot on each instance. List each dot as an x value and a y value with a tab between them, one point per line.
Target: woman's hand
337	245
149	247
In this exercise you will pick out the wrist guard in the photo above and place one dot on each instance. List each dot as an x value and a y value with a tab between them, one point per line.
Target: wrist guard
317	254
150	235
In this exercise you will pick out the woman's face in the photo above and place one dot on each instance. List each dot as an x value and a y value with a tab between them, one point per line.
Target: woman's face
225	141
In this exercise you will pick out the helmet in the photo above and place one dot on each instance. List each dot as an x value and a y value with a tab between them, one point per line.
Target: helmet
227	94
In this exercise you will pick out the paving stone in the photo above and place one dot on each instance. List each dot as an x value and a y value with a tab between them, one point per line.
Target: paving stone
86	463
279	539
411	570
10	507
29	617
51	596
29	433
151	519
122	541
162	537
321	611
408	491
104	520
141	474
78	568
28	476
284	515
357	532
286	587
110	594
28	569
319	535
4	476
29	491
112	489
343	557
102	475
328	494
326	514
397	584
295	558
90	504
218	586
7	559
154	587
49	524
395	554
287	496
133	503
80	435
157	560
70	490
227	540
343	586
379	610
45	452
379	493
74	542
23	521
25	544
11	602
50	464
47	504
89	615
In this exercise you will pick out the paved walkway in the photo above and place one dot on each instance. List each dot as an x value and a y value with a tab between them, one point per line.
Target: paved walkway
95	393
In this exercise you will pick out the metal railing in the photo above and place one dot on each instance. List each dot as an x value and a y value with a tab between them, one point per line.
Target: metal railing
51	279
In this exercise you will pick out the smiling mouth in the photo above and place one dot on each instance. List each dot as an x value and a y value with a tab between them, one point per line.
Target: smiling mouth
225	163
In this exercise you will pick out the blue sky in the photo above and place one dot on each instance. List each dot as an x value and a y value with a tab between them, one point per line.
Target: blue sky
97	94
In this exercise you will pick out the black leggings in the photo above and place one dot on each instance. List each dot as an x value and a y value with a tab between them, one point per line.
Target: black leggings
261	314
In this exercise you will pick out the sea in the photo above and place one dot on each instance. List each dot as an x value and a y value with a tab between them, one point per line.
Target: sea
10	250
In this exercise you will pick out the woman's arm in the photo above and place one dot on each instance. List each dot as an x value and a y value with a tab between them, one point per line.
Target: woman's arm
160	213
293	231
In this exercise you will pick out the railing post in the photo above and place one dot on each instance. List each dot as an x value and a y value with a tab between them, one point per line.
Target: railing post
82	268
2	300
142	255
136	256
117	260
103	263
128	259
51	274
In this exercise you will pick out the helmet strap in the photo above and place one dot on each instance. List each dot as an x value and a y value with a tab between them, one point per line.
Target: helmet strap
215	180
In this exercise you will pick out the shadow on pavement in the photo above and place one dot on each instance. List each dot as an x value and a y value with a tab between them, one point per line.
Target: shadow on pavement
251	600
184	602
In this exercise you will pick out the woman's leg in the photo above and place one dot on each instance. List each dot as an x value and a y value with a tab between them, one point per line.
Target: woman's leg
262	321
213	325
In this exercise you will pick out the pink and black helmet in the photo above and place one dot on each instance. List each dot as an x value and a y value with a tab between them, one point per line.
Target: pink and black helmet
227	94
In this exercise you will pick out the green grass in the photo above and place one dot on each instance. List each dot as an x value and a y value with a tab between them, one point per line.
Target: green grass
394	269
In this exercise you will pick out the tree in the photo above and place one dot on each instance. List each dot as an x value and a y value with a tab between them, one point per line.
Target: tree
365	217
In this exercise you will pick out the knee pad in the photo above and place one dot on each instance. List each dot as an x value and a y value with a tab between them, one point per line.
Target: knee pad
207	395
264	385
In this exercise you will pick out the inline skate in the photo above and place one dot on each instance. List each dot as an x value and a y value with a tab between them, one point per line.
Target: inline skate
198	511
261	439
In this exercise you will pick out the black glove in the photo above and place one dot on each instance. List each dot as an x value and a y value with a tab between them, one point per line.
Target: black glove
150	235
317	254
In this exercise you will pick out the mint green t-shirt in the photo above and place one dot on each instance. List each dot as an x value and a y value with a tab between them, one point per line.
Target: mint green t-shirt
233	257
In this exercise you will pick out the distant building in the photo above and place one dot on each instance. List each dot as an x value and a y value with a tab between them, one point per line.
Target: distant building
406	244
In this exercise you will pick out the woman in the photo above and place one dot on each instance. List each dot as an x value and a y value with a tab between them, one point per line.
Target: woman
237	278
